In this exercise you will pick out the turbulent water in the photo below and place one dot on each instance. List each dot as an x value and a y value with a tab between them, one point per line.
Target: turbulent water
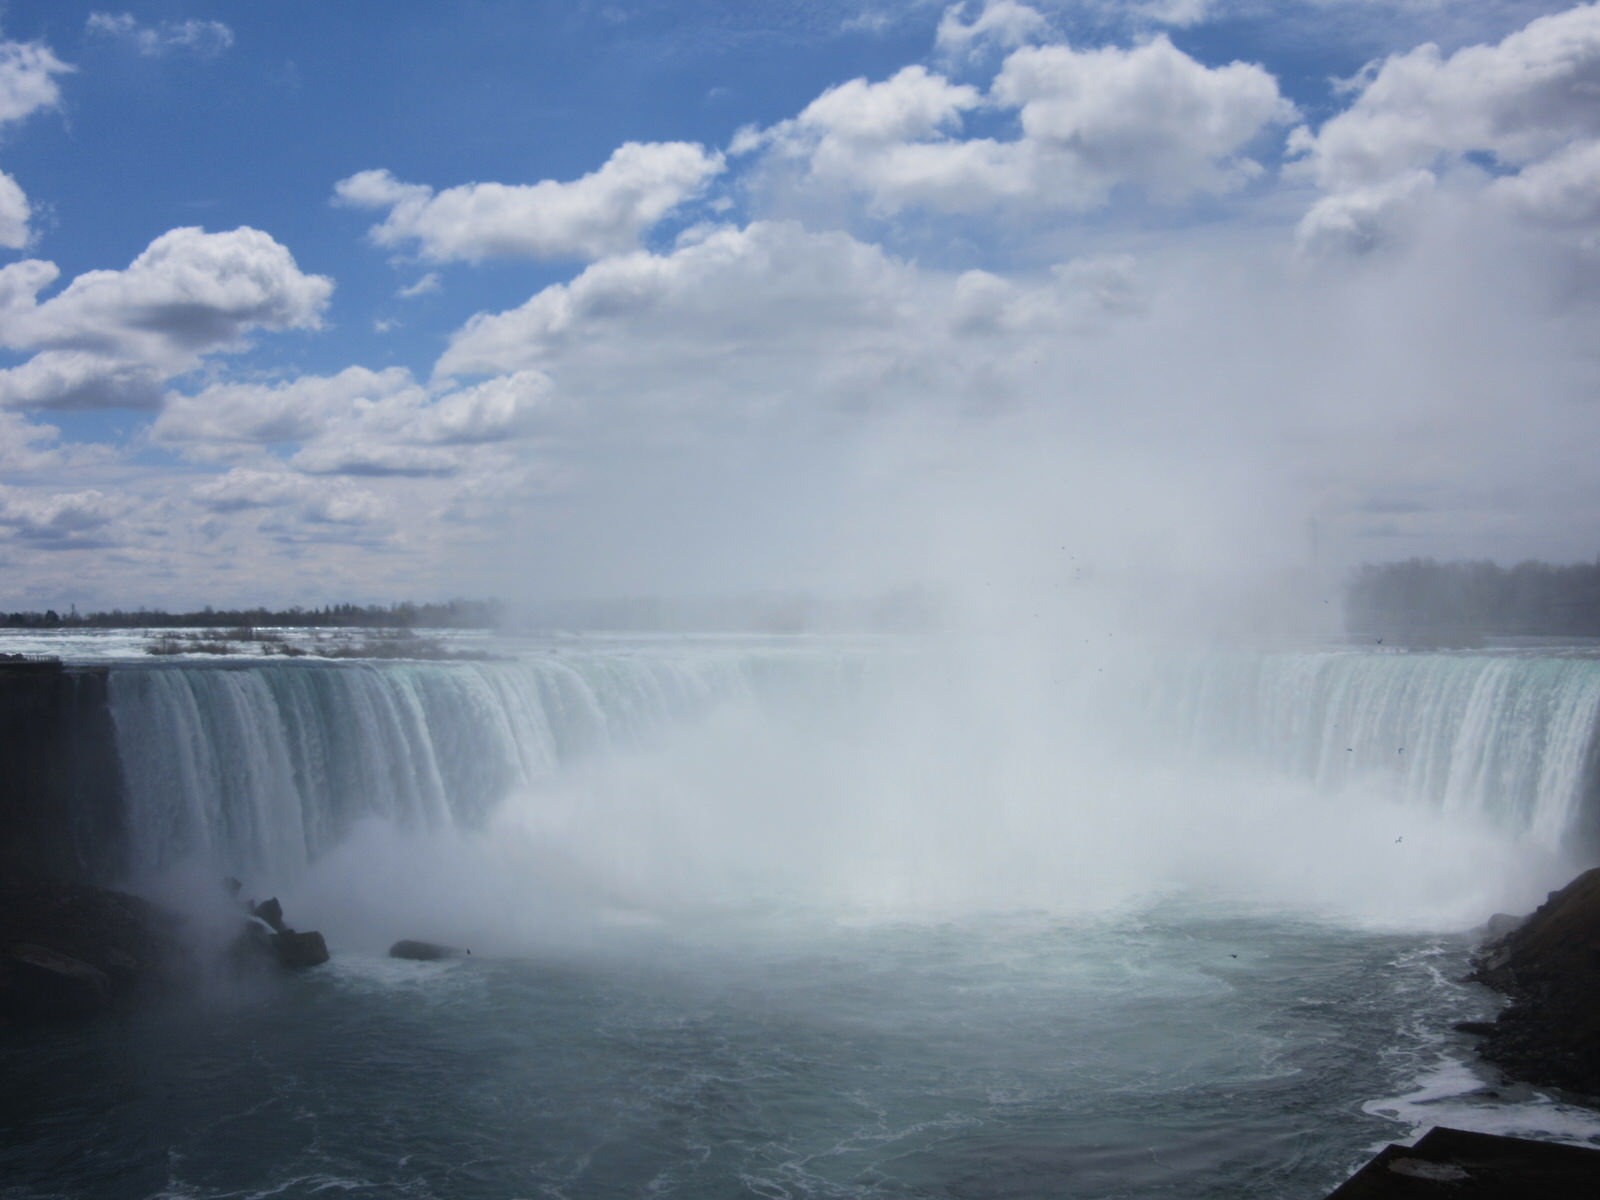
806	917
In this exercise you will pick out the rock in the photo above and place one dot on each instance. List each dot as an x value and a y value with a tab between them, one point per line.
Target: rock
1500	925
46	985
1475	1166
424	951
1550	967
300	949
271	912
71	949
1476	1028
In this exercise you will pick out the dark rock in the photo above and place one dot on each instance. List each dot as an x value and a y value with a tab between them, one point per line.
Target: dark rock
45	985
299	949
1500	925
1476	1166
1550	967
271	912
424	951
130	945
1477	1028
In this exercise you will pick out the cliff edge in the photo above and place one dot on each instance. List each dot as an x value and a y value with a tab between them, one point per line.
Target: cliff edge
1550	968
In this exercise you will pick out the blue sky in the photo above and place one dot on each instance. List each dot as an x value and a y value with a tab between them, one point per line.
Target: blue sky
312	302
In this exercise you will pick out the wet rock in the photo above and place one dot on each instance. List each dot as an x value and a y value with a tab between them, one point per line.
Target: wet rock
70	949
424	951
271	912
1550	967
299	949
46	985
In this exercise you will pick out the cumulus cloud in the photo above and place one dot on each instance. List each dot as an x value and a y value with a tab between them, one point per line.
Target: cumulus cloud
1519	100
28	73
14	214
604	212
1363	219
27	448
1149	117
327	501
291	411
59	520
1524	106
205	38
1003	23
108	333
75	379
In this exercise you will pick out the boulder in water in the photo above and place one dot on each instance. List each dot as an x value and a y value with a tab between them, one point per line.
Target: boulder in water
300	949
424	951
1550	967
271	912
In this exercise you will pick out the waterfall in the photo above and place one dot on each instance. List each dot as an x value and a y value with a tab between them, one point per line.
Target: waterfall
1506	736
260	768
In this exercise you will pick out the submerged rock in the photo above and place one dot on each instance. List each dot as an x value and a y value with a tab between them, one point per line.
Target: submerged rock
1550	967
424	951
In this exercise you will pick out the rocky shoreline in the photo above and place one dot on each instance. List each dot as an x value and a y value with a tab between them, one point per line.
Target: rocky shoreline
1549	966
70	951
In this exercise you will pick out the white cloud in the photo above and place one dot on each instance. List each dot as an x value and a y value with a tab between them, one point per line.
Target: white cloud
29	449
428	283
266	414
74	379
27	84
1150	115
1363	219
59	520
1003	23
364	457
1092	120
27	79
318	500
1563	189
14	213
604	212
205	38
1519	100
189	294
493	411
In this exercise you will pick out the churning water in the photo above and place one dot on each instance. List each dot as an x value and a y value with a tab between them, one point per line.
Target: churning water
822	918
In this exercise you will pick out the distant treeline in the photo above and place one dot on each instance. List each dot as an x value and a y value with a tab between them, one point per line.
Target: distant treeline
452	614
1423	599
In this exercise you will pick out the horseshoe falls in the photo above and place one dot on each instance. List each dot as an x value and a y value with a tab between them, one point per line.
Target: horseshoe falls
824	917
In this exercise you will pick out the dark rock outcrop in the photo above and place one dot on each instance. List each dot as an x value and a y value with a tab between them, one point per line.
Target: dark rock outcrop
424	951
271	912
70	950
1476	1166
61	809
299	949
1550	967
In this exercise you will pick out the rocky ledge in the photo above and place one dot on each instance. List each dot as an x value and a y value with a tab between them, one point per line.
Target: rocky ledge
1549	965
73	950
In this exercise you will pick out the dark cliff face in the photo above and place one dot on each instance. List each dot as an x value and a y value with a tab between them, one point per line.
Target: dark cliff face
60	787
1550	967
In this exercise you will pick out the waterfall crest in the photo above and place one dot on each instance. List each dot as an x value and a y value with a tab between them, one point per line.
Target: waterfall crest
261	768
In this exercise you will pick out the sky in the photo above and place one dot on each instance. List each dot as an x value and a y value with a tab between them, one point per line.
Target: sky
306	303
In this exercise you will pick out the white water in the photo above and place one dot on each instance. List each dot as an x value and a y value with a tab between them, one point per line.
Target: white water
825	918
629	778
